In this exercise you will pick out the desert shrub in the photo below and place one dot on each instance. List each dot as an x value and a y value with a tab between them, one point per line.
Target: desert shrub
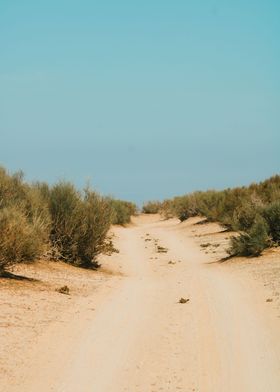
221	205
92	235
237	209
181	208
121	211
65	207
245	215
69	224
151	207
184	207
269	190
12	188
25	220
211	204
15	192
167	209
80	222
20	239
251	243
271	214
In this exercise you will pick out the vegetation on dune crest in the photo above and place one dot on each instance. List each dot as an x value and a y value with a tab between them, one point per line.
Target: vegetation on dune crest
271	214
73	225
121	211
251	243
151	207
80	222
59	220
24	220
253	211
20	239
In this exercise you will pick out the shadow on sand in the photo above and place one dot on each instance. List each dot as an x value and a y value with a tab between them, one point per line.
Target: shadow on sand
10	275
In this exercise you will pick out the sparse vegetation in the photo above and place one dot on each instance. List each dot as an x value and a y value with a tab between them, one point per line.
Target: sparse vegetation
80	222
251	243
151	207
59	220
253	211
20	239
72	225
24	221
121	211
271	214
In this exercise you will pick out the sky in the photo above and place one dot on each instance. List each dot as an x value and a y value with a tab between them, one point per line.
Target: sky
145	99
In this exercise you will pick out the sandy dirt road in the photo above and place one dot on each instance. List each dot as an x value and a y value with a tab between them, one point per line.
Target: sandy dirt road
140	339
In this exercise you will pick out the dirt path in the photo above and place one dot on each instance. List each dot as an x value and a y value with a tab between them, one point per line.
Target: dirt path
140	339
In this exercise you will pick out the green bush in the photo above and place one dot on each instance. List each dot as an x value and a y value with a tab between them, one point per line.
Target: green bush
80	223
151	207
92	235
66	210
271	214
183	207
25	220
167	210
69	224
20	240
236	209
244	216
211	205
251	243
121	211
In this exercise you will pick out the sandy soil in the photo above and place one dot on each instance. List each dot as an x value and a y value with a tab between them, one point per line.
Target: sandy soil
123	328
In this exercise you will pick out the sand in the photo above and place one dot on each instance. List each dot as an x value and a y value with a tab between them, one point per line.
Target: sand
123	328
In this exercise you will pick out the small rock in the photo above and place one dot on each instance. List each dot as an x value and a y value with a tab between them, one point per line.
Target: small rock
161	249
269	300
64	290
183	300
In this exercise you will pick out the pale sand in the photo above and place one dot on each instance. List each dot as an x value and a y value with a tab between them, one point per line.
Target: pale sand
126	331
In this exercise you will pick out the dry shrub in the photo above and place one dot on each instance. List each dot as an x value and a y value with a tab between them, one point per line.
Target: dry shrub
271	214
24	220
251	243
121	211
80	222
254	211
151	207
20	240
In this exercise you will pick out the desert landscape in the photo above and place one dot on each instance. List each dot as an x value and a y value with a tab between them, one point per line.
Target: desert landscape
163	314
139	196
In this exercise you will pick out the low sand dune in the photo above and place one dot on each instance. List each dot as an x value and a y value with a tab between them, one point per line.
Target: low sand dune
124	328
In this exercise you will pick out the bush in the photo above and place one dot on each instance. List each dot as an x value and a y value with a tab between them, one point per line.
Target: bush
65	207
24	220
70	225
271	214
244	216
121	211
167	209
251	243
20	240
80	223
238	209
211	204
92	234
151	207
184	207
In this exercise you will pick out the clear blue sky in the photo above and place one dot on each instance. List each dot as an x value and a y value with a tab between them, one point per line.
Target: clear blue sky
147	99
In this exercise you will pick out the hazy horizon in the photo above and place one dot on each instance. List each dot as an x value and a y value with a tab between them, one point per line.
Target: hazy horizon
146	100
